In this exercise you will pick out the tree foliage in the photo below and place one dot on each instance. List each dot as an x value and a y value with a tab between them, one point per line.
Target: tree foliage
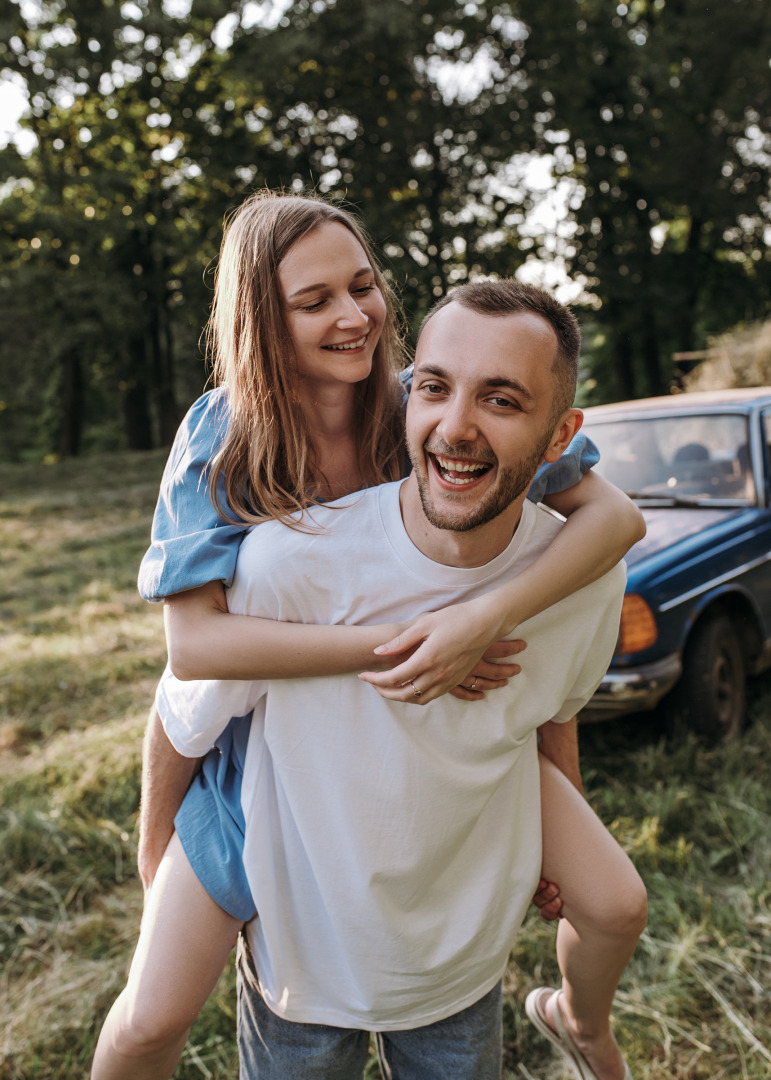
664	114
371	123
149	126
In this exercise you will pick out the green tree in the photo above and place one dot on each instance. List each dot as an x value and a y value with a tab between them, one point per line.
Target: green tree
655	115
108	225
660	110
364	107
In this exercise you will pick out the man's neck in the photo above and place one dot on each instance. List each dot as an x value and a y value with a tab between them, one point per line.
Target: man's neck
475	547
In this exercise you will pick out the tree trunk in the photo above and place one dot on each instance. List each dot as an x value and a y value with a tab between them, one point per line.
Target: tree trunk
693	261
71	426
167	410
650	352
137	418
622	355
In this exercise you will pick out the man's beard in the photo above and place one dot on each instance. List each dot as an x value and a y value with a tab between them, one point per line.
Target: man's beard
512	482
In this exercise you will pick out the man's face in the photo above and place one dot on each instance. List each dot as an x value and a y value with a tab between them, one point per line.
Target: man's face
479	418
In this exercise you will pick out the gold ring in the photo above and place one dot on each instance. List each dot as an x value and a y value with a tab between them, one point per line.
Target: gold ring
473	685
415	691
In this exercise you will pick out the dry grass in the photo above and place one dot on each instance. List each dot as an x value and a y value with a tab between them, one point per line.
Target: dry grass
736	359
693	1004
80	655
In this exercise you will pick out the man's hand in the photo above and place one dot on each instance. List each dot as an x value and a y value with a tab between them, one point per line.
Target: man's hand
547	899
166	776
559	743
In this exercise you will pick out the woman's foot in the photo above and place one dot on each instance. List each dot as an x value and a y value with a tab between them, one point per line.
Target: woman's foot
592	1057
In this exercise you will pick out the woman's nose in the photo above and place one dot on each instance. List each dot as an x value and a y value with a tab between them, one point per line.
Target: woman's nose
351	314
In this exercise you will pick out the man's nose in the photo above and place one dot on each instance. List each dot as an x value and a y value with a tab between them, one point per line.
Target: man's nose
457	424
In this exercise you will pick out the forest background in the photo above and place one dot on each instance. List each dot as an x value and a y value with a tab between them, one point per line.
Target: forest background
624	149
621	153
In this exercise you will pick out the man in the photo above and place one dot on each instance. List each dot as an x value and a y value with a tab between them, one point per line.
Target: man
392	852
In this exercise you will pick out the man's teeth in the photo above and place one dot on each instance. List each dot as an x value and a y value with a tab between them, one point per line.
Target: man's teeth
452	469
457	466
349	345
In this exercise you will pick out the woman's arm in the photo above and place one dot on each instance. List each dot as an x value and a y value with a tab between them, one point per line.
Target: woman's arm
610	522
602	524
205	641
438	648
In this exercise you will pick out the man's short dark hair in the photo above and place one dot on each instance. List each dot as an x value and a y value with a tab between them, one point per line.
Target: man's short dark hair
510	297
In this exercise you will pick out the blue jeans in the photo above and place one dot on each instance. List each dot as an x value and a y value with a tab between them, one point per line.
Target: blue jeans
466	1046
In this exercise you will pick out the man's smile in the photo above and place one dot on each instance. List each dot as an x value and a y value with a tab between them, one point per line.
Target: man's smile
458	471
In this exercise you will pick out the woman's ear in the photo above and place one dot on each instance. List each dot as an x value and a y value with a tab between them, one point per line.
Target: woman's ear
567	426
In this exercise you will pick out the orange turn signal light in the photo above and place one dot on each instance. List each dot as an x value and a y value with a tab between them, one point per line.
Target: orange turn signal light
638	626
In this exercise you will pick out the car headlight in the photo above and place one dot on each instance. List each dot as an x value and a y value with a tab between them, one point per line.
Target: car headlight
638	626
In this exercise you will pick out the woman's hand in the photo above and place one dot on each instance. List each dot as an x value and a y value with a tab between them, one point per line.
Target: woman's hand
449	651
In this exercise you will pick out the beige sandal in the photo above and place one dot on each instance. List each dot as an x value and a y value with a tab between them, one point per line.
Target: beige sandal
560	1038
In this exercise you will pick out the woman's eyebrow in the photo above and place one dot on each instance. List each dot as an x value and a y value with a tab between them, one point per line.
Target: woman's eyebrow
364	272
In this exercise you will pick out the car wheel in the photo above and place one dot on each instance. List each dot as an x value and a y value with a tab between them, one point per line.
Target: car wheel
710	697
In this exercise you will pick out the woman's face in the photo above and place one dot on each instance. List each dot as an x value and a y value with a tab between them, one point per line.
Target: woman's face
334	309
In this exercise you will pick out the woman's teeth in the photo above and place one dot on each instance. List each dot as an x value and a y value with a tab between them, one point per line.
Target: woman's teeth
348	345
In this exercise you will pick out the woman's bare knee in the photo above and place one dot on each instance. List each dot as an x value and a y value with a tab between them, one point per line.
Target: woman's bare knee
601	890
632	918
619	910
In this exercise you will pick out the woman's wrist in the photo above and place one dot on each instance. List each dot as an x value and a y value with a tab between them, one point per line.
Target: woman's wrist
386	632
495	613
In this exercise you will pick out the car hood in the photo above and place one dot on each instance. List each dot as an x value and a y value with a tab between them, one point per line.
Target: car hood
668	525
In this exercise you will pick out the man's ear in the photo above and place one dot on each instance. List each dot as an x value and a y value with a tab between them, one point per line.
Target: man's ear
567	426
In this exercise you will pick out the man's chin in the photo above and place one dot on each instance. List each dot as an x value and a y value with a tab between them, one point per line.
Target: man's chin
459	514
446	523
460	520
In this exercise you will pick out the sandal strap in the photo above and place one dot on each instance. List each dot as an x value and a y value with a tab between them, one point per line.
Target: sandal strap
577	1058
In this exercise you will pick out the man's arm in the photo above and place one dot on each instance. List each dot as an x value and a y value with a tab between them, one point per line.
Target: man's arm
166	776
559	743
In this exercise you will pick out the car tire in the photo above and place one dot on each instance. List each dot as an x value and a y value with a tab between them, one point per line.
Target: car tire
711	696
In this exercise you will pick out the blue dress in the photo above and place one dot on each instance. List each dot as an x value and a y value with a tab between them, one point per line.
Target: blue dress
191	546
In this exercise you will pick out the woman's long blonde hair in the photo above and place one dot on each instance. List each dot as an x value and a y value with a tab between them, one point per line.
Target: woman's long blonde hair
266	461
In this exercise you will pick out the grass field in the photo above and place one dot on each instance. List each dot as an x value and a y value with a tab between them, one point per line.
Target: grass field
79	656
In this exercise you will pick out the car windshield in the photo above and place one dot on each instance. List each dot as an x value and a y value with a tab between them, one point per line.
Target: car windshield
688	459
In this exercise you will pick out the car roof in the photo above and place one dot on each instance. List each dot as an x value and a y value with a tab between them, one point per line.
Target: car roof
699	401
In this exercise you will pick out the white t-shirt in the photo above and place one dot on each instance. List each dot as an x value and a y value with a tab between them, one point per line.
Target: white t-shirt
392	850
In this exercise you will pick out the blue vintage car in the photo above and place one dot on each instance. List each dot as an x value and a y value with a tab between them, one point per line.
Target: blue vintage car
697	612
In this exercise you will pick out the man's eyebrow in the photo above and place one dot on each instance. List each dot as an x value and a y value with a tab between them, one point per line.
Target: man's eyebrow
496	382
364	272
431	369
510	384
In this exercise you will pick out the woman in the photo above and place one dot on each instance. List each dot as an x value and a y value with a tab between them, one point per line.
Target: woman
304	339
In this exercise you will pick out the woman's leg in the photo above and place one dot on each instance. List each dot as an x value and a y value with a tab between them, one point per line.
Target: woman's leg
184	943
604	912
